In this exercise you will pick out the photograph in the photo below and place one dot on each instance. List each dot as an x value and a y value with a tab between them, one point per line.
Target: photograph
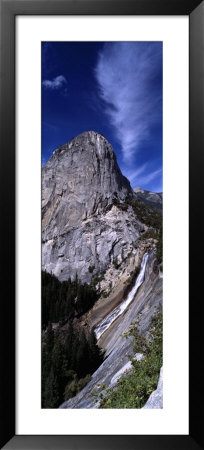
101	219
102	159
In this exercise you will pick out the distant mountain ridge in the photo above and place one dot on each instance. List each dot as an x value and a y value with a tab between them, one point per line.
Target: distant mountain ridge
154	199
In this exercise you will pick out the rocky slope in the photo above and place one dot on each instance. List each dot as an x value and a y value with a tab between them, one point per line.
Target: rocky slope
147	300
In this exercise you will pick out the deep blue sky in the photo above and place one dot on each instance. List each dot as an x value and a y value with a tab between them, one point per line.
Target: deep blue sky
114	88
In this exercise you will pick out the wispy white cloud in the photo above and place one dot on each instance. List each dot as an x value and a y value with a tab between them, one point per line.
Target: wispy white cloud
50	125
142	176
55	83
147	178
133	175
126	74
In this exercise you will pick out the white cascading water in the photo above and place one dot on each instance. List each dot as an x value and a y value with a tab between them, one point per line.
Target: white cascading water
109	319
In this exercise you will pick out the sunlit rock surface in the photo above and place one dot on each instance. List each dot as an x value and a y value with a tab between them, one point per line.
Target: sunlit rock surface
81	226
146	302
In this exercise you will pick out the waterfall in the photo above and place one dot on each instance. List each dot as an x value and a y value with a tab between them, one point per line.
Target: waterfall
109	319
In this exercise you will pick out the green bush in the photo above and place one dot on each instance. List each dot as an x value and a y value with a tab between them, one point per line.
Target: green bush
160	247
75	386
134	389
115	263
98	278
149	234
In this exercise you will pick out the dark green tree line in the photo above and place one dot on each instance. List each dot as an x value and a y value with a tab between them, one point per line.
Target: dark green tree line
63	300
67	367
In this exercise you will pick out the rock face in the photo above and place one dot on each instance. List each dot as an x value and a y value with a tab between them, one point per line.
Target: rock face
155	401
89	229
83	230
147	300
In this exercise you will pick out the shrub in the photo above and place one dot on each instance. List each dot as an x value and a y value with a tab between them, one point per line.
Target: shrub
91	269
134	389
160	247
115	263
75	386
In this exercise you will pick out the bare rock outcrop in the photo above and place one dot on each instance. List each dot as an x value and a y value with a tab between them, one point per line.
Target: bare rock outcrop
155	401
83	230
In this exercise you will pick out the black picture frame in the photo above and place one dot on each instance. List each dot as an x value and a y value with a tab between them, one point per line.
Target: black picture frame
8	11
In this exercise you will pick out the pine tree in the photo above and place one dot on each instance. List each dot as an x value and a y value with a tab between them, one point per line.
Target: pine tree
51	397
82	356
49	338
69	345
59	365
